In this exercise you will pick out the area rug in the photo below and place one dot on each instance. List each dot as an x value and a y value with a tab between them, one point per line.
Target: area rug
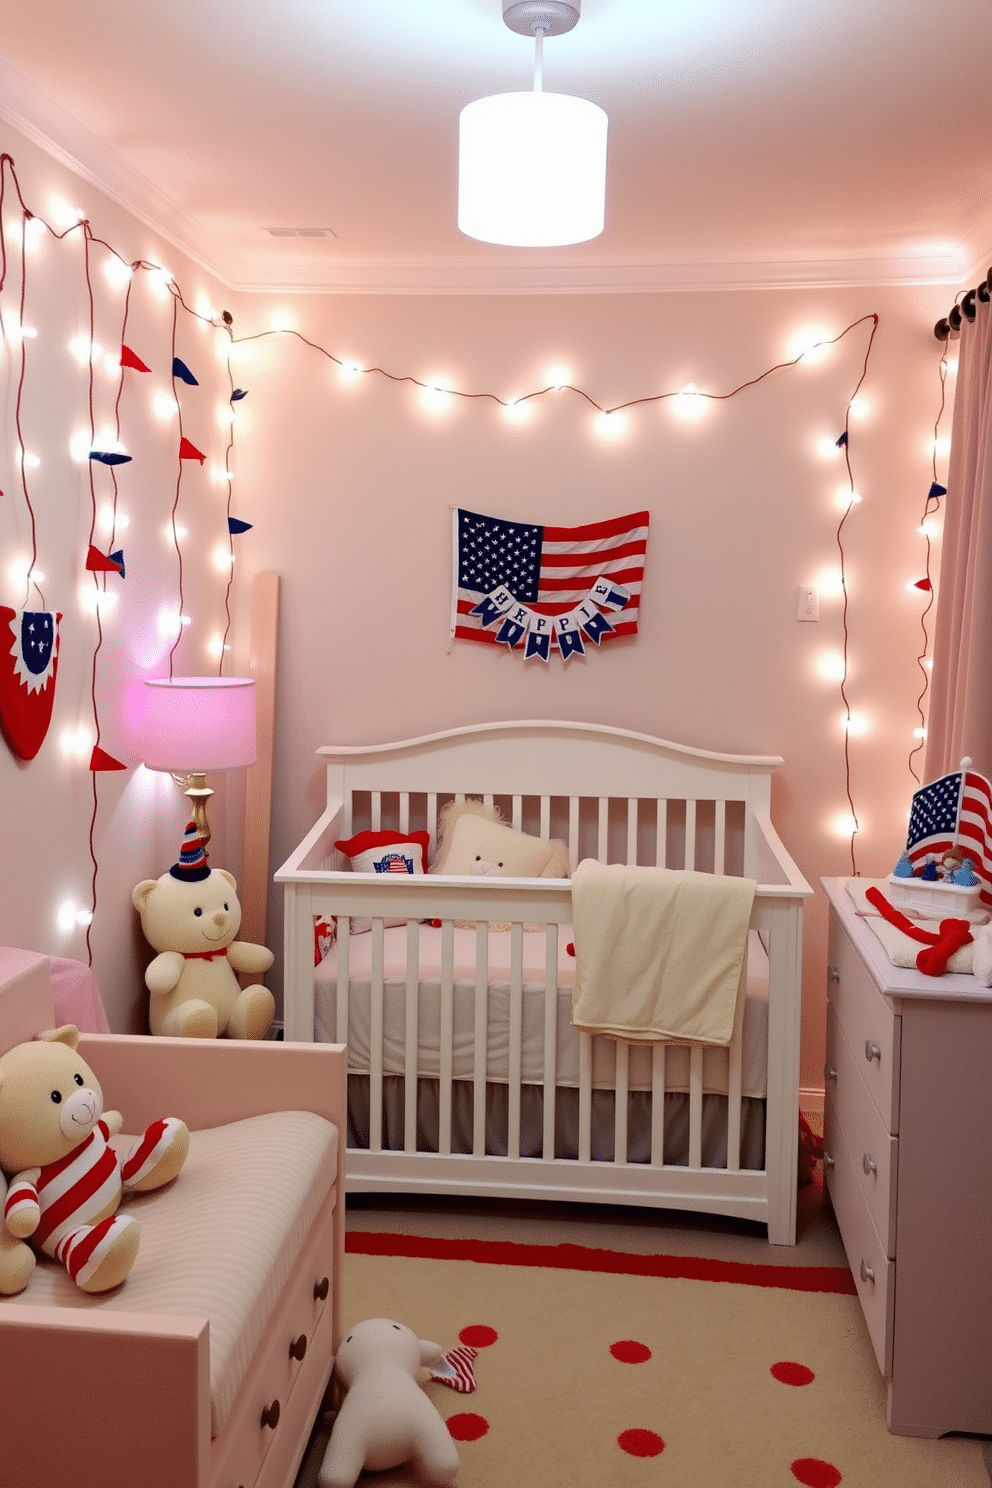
599	1368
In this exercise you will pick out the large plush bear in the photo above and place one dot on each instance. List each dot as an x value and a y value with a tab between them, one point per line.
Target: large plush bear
191	916
66	1180
16	1257
385	1418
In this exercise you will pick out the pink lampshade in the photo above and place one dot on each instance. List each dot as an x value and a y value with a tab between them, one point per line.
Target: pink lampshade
198	725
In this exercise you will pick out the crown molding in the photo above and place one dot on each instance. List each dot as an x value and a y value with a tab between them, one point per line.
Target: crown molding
47	125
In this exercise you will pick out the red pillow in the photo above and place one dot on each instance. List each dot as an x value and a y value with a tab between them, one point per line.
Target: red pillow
384	852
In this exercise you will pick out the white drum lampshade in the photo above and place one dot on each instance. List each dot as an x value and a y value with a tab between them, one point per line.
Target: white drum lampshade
532	169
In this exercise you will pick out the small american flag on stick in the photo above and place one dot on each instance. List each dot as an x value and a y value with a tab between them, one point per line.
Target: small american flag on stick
524	585
954	812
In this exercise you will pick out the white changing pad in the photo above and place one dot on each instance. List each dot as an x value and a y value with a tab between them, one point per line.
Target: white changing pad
222	1241
496	1012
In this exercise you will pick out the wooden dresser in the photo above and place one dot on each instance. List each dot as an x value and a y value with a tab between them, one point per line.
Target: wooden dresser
908	1167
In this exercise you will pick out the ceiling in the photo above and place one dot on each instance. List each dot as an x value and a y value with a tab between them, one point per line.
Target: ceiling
751	141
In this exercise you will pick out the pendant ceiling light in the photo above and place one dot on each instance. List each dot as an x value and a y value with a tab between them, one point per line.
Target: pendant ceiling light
532	166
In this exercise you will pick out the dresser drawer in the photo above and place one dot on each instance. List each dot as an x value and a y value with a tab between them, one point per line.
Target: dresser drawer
869	1025
873	1272
874	1151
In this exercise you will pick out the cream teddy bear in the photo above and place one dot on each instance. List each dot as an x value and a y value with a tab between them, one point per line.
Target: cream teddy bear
191	916
16	1258
66	1180
385	1418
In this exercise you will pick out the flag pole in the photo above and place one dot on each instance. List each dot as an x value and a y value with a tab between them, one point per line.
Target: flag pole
964	767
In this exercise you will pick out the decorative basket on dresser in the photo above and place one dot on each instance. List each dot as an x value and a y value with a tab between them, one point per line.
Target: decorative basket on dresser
907	1164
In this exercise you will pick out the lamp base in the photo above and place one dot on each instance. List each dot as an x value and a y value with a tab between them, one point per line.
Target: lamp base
199	793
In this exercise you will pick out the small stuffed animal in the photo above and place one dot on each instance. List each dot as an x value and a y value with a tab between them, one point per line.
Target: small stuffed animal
191	916
65	1178
385	1418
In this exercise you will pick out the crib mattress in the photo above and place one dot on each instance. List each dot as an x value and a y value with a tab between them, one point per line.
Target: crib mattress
495	1010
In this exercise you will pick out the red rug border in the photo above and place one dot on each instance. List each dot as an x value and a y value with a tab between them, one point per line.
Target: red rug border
834	1279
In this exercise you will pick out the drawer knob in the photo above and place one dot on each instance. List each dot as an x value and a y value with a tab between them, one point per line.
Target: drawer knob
872	1051
321	1289
828	1159
869	1164
867	1273
298	1347
830	1072
833	975
270	1415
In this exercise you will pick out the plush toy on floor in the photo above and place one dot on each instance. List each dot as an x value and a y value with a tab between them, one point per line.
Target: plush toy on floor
66	1180
191	916
385	1418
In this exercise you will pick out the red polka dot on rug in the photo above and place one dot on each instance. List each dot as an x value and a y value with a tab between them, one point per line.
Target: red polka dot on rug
812	1472
638	1442
478	1335
466	1426
629	1351
788	1372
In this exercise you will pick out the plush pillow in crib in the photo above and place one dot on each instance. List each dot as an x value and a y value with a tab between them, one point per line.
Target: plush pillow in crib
476	843
384	852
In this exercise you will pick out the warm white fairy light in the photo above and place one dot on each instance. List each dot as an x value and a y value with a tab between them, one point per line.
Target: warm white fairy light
436	395
205	309
854	724
34	231
832	666
610	425
96	601
164	405
80	348
350	371
161	281
810	345
225	415
281	320
215	647
689	404
919	733
76	742
859	406
117	271
223	558
827	447
941	447
830	583
559	377
844	825
847	498
80	445
30	461
518	411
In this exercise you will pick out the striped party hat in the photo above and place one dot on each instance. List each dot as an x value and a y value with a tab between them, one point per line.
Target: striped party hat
192	864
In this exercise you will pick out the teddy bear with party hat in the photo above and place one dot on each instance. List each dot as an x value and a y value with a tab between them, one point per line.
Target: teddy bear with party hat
191	916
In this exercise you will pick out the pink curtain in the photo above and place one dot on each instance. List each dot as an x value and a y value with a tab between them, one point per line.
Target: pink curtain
960	716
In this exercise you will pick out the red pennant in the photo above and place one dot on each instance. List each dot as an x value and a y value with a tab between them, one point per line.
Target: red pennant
131	359
923	584
101	760
188	451
28	669
98	562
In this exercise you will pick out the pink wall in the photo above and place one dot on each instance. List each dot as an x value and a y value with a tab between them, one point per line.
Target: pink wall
351	485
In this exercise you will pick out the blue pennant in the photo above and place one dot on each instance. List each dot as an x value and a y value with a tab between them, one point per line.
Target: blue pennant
109	457
236	526
180	370
487	611
538	644
118	558
570	642
510	633
937	490
840	443
238	394
596	627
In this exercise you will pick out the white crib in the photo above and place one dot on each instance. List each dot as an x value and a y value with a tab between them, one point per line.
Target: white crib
466	1076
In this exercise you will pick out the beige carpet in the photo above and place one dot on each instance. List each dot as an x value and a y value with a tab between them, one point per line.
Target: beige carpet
601	1377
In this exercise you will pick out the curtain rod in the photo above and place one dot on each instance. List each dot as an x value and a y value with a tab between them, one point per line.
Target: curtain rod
951	323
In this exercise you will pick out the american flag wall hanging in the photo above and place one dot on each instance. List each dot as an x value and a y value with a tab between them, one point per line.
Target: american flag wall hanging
537	589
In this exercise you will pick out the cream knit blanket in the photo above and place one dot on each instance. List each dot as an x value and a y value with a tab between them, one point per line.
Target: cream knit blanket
658	953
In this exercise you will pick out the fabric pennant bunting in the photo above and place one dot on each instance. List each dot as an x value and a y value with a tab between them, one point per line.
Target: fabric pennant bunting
110	457
536	589
936	489
97	562
238	394
235	526
131	359
101	760
180	370
189	451
29	649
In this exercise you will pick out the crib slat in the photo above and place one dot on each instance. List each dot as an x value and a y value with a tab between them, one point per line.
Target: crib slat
720	837
376	994
404	811
658	1105
574	850
432	819
480	1069
412	1039
545	823
696	1106
446	1036
517	813
376	810
690	836
735	1079
516	1038
632	805
550	1037
585	1097
603	830
661	834
620	1088
342	1032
